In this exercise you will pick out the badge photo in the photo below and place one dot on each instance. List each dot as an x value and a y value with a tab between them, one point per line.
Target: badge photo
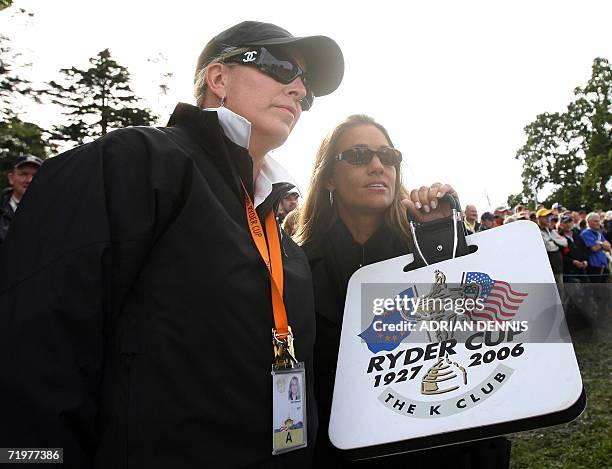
288	409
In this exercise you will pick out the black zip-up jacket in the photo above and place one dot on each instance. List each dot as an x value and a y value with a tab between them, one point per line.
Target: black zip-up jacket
575	251
135	310
333	260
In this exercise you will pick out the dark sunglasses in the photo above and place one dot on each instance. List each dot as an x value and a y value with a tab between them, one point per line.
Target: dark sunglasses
276	65
363	155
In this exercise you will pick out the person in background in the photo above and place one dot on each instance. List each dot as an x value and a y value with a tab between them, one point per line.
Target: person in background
575	221
499	218
554	220
557	209
575	254
487	221
582	213
511	219
291	222
524	215
287	204
607	226
19	179
500	214
553	242
580	302
594	240
355	215
471	219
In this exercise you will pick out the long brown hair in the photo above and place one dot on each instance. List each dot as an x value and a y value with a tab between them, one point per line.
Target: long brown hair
317	215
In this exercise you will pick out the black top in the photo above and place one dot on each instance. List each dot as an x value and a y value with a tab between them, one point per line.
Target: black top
136	311
575	251
333	260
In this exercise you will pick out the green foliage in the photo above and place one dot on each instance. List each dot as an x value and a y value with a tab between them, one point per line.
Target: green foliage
16	136
572	152
5	4
11	85
96	100
519	199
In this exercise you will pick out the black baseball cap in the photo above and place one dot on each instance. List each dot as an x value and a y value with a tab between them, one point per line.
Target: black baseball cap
27	159
323	57
487	216
566	219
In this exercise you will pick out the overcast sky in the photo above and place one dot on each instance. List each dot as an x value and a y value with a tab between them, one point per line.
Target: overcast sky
454	82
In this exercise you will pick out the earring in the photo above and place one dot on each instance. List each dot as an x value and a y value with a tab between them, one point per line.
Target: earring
331	198
222	101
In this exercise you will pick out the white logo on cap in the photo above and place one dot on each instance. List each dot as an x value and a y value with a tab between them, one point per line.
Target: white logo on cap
250	56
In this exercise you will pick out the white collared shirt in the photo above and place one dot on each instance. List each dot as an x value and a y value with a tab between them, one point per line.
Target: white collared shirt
14	203
238	130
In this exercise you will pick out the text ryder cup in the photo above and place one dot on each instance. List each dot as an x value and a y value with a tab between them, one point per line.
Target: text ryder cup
436	350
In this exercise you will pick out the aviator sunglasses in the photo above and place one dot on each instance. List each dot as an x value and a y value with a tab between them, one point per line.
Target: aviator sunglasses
359	156
276	65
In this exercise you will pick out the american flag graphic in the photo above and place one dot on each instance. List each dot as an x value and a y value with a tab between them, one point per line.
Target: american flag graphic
501	302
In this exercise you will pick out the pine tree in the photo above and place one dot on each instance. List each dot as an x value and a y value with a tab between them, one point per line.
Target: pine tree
96	100
16	136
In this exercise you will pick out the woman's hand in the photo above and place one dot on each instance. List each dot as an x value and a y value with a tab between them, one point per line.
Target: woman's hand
425	205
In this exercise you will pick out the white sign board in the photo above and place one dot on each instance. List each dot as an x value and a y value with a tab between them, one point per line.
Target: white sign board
464	349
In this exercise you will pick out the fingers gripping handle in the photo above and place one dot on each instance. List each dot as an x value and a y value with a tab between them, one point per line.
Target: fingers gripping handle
440	239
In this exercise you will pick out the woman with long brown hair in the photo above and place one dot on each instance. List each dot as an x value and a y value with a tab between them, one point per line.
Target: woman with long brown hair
356	214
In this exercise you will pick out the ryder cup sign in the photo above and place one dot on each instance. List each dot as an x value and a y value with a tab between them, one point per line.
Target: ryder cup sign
464	349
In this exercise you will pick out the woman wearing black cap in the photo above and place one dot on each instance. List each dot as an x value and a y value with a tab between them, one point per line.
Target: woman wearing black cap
139	327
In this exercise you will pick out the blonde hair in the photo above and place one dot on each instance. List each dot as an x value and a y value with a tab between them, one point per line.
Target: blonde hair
200	88
317	215
290	223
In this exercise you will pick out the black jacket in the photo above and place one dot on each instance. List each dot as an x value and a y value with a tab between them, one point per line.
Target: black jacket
333	259
575	251
6	212
135	329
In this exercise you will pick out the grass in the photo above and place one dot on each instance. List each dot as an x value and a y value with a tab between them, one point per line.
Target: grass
585	443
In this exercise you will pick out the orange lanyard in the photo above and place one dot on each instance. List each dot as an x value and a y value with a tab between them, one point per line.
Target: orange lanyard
270	252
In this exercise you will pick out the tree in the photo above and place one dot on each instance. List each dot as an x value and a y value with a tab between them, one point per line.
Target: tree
12	85
16	136
571	153
96	100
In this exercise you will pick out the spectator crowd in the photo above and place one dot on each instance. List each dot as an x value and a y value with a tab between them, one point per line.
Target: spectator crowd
577	242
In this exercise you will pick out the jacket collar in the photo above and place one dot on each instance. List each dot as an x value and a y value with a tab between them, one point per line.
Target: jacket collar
383	244
235	127
235	134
